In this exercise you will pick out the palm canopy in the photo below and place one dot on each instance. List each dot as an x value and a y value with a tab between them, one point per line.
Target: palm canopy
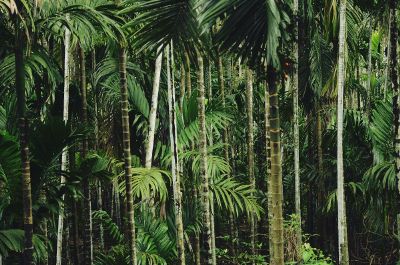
156	23
252	29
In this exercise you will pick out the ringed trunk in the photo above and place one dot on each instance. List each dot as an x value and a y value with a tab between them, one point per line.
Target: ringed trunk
275	189
64	156
342	222
204	192
175	159
24	144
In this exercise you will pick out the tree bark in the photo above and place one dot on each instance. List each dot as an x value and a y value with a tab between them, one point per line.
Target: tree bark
127	154
342	222
296	127
64	156
268	157
395	88
182	87
175	159
24	143
275	189
204	192
87	201
250	152
153	109
188	76
211	139
369	92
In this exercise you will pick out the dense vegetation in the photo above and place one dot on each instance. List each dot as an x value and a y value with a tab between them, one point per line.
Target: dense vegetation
199	132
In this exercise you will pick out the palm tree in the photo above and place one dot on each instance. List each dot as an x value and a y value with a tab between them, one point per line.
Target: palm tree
87	202
250	150
395	88
153	109
175	158
256	42
64	158
275	189
204	190
342	222
127	153
20	46
296	122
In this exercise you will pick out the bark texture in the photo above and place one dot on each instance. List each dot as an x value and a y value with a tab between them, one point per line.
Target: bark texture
296	126
153	109
64	156
342	222
204	192
175	160
250	151
24	144
126	145
275	189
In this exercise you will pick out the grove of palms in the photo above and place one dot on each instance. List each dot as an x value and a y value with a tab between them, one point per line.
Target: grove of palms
204	132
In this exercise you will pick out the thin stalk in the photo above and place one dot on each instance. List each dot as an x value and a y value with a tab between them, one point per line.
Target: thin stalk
175	157
64	155
342	222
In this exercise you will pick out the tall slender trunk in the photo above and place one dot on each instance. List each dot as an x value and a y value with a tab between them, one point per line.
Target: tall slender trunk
24	142
87	201
153	109
221	83
197	249
204	192
98	189
395	88
342	222
388	56
211	140
188	76
182	87
296	127
127	154
321	183
268	156
175	159
369	92
275	189
64	156
250	151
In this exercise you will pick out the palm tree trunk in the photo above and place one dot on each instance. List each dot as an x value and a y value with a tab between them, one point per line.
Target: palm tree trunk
225	141
296	128
395	89
188	76
321	184
275	189
98	189
153	109
197	247
342	222
127	154
87	202
388	56
24	144
204	192
64	156
369	92
211	139
175	160
268	156
197	250
182	87
250	152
